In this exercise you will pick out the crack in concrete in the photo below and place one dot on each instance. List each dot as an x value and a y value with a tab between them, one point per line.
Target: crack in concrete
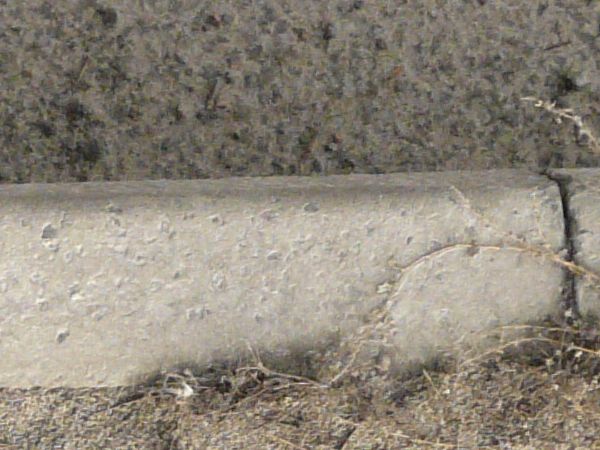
570	290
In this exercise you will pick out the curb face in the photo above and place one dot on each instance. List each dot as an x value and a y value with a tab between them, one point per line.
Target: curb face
101	283
583	189
461	299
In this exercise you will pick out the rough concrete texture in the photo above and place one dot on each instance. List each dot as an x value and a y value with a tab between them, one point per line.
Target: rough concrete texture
117	89
101	283
582	188
461	299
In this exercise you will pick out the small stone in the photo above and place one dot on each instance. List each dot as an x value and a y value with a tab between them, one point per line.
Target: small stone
112	208
62	335
310	207
68	256
197	313
273	255
165	226
384	288
49	232
268	214
42	304
52	245
218	281
216	218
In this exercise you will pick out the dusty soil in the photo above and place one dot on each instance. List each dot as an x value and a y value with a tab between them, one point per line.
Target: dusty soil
540	393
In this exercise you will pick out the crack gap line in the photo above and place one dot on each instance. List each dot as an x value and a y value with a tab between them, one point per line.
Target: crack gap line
570	289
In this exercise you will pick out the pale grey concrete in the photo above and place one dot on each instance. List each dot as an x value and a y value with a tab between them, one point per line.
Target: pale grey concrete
101	283
461	299
583	191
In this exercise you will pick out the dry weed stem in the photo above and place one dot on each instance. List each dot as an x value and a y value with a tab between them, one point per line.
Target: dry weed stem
568	114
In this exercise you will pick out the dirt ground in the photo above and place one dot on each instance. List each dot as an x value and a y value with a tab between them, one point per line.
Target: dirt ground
541	392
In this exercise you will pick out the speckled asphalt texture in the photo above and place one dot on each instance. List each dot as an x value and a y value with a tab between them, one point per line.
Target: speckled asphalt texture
120	89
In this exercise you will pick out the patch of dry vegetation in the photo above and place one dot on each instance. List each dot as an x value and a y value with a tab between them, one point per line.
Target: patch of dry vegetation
583	131
539	392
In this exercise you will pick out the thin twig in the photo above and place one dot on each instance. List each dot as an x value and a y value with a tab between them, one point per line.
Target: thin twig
285	442
568	114
428	377
271	373
503	347
421	441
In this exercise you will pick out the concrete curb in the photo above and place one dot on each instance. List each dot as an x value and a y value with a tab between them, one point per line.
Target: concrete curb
102	283
581	192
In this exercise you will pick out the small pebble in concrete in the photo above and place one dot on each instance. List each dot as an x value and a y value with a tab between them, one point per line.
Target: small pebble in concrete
62	335
218	281
310	207
52	245
268	214
112	208
216	218
49	232
197	313
42	304
273	255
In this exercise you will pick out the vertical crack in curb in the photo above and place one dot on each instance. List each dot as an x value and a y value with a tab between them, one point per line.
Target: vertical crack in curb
570	288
